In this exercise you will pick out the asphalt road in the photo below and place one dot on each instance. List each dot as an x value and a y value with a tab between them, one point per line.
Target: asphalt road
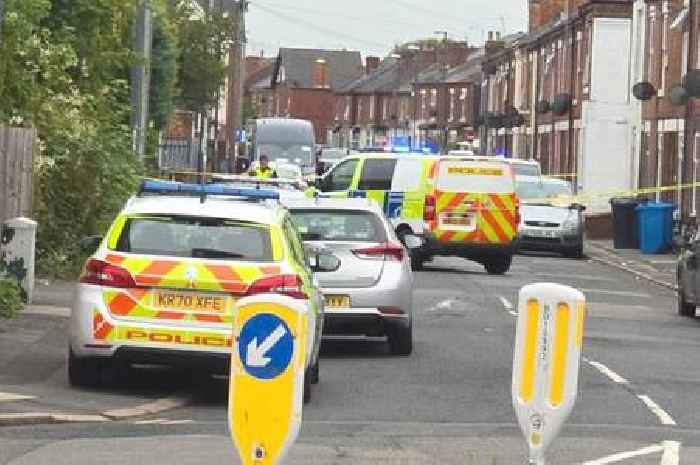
448	403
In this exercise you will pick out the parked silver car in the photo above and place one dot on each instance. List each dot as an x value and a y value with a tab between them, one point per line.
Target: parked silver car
549	219
371	293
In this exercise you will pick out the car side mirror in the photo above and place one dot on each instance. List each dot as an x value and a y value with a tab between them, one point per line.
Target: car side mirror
89	244
412	241
578	206
324	262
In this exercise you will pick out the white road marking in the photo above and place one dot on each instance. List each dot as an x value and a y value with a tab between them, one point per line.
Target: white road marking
442	305
672	453
657	410
618	293
10	397
606	371
507	305
162	421
619	457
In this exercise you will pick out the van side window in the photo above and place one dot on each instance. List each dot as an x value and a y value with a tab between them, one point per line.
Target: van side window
341	177
408	175
377	175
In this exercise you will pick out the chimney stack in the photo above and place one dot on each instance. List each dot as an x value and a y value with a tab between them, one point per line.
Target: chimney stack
320	74
371	64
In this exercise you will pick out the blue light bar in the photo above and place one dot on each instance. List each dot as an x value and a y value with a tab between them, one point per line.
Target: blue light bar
152	186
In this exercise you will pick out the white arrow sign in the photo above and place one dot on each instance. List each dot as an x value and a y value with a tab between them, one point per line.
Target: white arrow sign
255	355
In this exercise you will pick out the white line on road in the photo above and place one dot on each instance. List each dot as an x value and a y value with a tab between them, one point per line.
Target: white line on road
10	397
657	410
442	305
672	453
507	305
606	371
626	455
618	293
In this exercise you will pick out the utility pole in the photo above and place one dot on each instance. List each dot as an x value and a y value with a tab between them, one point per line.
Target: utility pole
141	76
235	78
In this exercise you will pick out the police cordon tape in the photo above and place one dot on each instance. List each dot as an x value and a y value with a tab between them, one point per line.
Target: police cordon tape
583	198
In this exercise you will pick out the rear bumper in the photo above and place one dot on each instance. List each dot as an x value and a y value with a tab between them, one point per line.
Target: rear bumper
474	251
563	242
362	322
192	360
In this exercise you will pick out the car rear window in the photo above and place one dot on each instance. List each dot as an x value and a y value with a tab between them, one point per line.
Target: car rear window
475	176
196	237
339	225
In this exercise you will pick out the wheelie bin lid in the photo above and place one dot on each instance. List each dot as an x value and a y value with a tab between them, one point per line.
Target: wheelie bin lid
656	206
625	201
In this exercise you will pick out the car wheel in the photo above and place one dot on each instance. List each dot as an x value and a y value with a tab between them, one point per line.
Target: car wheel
574	252
307	388
314	372
498	265
401	340
685	308
84	372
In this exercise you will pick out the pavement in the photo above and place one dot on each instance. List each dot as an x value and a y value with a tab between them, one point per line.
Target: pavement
448	403
659	269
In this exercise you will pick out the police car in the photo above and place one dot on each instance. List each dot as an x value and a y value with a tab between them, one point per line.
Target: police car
162	284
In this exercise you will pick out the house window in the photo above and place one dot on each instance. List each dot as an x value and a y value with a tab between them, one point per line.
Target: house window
433	97
423	100
463	98
664	49
652	42
360	101
385	108
371	107
348	103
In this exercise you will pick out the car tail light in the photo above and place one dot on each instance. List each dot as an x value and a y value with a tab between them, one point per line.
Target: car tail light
517	210
290	285
105	274
390	310
429	213
386	250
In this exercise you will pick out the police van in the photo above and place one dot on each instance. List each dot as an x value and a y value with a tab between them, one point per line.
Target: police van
408	186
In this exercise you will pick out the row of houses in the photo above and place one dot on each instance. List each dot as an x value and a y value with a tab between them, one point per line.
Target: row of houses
603	92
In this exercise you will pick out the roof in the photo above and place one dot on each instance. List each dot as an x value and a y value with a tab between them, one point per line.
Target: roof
470	71
323	203
213	207
386	78
343	66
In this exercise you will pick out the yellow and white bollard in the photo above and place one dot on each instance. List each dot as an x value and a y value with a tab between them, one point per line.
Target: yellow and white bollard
548	341
270	350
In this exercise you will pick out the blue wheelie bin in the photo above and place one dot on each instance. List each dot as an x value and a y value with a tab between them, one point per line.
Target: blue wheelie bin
655	221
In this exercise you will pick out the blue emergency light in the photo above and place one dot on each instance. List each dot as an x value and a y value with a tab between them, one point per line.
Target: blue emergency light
152	186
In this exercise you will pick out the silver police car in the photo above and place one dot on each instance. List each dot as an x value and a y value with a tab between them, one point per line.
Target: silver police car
371	293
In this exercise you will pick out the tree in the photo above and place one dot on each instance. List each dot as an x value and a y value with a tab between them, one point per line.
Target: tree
163	71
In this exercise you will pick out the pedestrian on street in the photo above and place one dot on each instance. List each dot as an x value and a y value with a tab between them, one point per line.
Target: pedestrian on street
264	170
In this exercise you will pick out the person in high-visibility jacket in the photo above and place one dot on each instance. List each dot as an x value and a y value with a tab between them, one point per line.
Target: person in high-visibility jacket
263	170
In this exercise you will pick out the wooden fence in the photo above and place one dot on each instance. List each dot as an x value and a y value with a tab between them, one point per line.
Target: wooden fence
16	169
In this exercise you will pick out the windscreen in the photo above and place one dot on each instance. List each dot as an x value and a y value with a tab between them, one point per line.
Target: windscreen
526	169
557	189
474	176
530	190
210	238
338	225
300	154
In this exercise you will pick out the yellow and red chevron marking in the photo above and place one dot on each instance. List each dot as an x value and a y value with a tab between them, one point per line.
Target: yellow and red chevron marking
496	217
139	304
185	275
192	274
101	329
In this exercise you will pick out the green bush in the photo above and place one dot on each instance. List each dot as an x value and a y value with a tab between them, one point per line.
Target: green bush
10	298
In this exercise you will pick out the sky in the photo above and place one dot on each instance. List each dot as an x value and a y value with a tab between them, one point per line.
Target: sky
374	26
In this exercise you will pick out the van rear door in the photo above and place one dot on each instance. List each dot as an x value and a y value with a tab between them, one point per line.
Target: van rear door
475	201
